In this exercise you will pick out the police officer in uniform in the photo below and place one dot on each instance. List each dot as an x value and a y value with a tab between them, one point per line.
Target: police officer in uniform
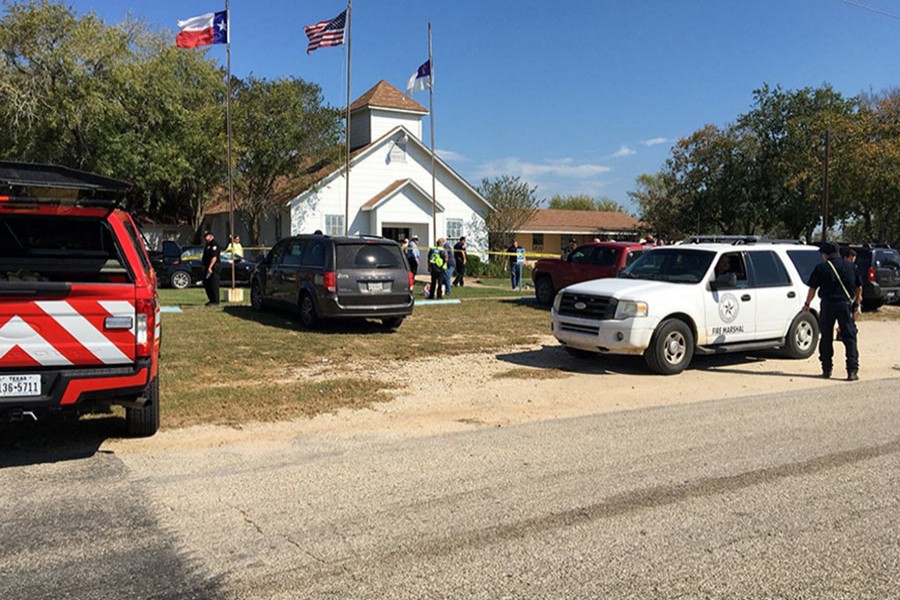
211	267
835	278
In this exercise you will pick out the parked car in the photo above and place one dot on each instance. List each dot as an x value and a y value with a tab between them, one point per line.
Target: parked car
590	261
672	303
181	268
325	277
79	310
880	270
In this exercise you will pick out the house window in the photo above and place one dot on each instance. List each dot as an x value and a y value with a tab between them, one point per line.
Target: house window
537	242
454	230
334	224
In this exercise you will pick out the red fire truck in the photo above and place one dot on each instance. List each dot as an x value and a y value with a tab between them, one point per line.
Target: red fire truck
79	310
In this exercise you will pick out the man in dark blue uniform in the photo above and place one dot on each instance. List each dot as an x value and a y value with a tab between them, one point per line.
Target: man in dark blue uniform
835	278
211	267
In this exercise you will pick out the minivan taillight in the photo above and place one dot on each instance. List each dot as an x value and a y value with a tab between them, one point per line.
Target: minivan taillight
872	275
412	281
329	280
145	327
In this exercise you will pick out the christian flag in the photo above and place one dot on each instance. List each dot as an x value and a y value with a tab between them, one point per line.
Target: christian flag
419	80
326	33
211	28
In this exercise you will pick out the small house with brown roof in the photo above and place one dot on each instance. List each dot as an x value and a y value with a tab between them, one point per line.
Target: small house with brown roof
550	230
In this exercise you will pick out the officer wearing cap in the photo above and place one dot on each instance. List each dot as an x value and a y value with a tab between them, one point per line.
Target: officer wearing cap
834	278
211	268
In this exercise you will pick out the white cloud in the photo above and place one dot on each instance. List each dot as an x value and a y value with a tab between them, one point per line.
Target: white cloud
655	141
623	151
563	167
450	155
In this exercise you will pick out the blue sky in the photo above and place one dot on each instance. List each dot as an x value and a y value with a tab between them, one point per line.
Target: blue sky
574	96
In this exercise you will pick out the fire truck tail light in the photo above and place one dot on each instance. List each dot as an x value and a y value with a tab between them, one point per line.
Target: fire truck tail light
145	311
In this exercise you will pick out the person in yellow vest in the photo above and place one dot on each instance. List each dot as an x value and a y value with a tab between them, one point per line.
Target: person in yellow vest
437	263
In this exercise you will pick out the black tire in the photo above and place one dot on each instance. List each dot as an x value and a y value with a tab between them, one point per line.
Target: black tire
392	322
180	280
802	337
543	291
671	348
144	422
256	297
579	353
308	316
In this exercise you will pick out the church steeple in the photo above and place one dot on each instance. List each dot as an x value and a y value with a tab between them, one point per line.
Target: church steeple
379	110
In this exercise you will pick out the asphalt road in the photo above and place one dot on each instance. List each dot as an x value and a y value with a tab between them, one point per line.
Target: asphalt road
778	496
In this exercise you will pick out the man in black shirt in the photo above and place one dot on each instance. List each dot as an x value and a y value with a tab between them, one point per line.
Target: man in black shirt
211	268
835	278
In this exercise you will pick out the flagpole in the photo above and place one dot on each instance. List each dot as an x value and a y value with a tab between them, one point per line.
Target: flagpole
347	179
228	132
431	120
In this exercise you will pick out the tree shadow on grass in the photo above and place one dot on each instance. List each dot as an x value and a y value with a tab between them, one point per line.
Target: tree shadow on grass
55	439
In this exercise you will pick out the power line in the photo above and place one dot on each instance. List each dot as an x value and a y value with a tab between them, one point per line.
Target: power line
869	8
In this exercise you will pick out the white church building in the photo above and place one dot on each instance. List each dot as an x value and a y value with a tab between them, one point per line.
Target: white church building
390	184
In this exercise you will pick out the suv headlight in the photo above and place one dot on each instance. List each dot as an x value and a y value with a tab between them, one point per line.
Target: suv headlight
630	308
557	301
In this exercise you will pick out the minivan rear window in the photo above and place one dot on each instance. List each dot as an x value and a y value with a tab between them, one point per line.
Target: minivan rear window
369	256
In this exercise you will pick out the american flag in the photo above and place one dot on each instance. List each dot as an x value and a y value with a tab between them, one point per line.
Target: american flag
326	33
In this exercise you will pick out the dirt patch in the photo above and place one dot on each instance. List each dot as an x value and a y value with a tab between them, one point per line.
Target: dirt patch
437	394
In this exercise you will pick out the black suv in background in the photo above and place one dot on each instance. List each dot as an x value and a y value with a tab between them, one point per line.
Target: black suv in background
880	270
327	277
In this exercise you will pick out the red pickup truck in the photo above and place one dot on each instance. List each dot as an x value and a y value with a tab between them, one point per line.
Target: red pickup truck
590	261
79	311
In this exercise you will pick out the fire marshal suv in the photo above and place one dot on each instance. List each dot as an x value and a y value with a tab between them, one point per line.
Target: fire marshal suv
707	298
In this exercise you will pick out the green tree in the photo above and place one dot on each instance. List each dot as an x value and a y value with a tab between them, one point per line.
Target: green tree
279	126
117	100
660	208
584	202
515	202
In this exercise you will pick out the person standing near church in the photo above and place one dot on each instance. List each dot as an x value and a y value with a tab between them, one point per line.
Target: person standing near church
412	254
459	252
449	268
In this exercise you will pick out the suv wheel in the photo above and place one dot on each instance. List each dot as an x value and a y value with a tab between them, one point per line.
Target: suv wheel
543	291
392	322
256	297
144	422
308	316
180	280
802	337
671	348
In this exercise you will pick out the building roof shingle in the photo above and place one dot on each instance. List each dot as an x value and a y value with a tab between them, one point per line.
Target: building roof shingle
552	220
384	95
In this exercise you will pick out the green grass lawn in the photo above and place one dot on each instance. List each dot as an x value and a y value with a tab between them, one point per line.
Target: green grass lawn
231	365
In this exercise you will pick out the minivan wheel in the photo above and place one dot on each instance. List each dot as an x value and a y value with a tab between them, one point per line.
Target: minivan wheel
802	337
392	322
180	280
671	348
256	297
308	316
543	291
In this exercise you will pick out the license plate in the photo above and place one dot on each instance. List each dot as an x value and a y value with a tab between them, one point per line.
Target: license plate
378	286
20	385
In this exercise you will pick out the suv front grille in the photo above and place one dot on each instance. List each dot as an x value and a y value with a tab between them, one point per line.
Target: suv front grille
587	307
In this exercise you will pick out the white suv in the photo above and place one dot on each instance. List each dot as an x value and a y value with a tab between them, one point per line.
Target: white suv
675	301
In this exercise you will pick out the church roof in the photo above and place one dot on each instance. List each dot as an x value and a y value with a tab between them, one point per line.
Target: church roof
384	95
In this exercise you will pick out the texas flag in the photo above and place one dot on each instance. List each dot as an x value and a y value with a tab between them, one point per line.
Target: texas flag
211	28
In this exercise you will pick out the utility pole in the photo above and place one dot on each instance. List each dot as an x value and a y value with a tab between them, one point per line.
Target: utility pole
825	191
